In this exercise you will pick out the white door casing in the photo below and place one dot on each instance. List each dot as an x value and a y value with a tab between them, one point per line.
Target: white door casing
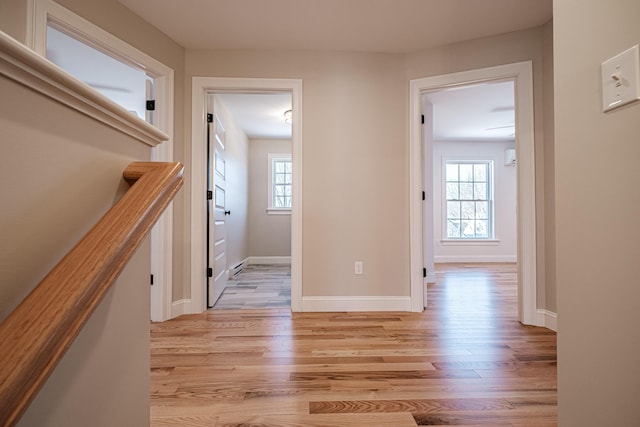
521	74
201	88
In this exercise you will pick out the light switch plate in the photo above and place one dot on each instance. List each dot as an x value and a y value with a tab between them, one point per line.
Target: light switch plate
621	79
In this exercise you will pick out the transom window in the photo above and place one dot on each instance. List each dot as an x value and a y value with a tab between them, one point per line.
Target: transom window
468	195
280	182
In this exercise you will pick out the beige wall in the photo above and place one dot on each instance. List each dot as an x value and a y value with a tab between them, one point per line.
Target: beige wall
597	205
354	162
13	18
549	216
508	48
269	235
355	154
59	180
236	146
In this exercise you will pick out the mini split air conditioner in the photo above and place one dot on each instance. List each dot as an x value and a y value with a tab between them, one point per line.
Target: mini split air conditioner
510	157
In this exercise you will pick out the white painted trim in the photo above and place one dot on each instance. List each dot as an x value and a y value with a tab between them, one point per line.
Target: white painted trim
274	260
201	87
25	66
476	258
522	75
180	307
431	278
39	13
547	319
369	303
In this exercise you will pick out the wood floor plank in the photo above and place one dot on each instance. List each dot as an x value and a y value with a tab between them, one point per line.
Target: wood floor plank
465	361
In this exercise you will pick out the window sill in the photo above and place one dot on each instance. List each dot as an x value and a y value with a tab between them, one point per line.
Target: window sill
278	211
470	242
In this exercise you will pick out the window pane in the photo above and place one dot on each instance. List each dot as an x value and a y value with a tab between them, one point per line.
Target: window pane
453	210
287	191
287	167
288	178
287	202
467	229
452	191
468	200
482	229
453	229
466	172
279	190
466	191
480	172
468	210
451	172
482	210
479	191
280	179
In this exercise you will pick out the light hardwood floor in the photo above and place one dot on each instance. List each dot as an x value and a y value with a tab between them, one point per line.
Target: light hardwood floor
464	361
257	286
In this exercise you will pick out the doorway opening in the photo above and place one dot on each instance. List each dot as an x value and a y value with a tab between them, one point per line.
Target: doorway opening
249	179
202	89
521	75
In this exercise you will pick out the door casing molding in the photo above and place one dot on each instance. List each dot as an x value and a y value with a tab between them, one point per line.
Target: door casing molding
522	75
201	88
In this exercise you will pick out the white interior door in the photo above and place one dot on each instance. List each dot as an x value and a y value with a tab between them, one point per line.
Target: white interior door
216	210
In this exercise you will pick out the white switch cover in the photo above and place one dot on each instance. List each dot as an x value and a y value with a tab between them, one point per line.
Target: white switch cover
621	79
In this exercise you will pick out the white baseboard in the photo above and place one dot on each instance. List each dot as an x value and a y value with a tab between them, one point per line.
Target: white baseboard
475	258
547	319
184	306
269	260
322	304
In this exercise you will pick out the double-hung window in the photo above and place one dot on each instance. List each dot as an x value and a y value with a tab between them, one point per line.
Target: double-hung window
469	203
280	183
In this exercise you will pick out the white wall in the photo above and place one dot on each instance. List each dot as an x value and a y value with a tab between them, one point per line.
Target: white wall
237	185
269	234
504	248
597	212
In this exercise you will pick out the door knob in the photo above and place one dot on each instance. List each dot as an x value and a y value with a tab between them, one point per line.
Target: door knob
227	212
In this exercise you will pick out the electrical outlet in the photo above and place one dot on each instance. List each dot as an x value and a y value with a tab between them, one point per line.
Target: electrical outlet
358	267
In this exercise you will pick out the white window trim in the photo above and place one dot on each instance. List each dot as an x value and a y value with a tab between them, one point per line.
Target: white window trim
39	13
492	201
271	157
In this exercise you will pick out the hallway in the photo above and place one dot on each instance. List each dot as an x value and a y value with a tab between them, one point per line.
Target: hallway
465	360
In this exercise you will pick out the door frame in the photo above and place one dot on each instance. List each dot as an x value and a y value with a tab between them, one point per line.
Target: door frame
200	89
522	75
39	12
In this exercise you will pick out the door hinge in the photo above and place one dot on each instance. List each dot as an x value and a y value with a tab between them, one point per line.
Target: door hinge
151	105
424	196
209	118
151	280
209	195
424	272
209	272
422	119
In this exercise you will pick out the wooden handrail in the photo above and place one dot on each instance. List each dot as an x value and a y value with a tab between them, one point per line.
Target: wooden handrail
35	336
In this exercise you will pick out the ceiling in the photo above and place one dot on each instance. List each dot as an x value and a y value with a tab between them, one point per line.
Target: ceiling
259	115
480	112
389	26
382	26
